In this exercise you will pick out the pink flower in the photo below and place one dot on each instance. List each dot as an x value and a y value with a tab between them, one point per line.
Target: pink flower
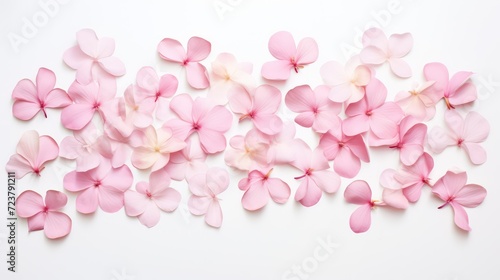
103	186
210	122
46	216
282	47
186	162
466	134
359	192
151	88
227	74
197	50
150	198
29	99
260	106
315	109
204	188
259	187
452	189
89	99
347	82
411	140
315	177
456	91
32	152
373	113
378	49
248	152
405	185
419	102
87	146
345	151
152	147
92	55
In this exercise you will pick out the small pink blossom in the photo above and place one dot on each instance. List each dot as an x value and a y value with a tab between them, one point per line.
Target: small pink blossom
150	197
30	99
197	50
259	187
359	192
290	57
205	187
44	215
32	152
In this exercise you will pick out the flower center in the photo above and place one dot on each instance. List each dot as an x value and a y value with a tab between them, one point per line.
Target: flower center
97	184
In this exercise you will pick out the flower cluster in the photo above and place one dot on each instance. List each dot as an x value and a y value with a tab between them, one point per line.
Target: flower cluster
171	135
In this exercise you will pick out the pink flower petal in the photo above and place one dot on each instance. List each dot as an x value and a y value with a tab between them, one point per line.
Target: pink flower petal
37	222
213	217
358	192
400	44
372	55
255	197
470	195
307	51
87	201
198	49
151	216
282	45
57	225
461	217
276	70
77	116
395	198
113	66
361	219
135	203
197	75
55	200
28	204
171	50
198	205
308	193
400	68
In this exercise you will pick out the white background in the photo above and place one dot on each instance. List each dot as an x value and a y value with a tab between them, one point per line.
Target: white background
419	243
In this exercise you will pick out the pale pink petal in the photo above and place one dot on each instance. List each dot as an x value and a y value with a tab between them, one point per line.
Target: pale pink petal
88	42
57	225
476	153
413	192
135	203
218	119
168	200
282	46
75	58
449	185
457	81
455	122
278	189
217	180
212	141
357	124
461	218
330	146
25	110
465	94
171	50
470	195
358	147
276	70
198	49
87	201
213	217
388	181
438	139
151	216
19	165
29	147
110	199
395	198
372	55
182	106
113	66
55	200
346	164
437	72
48	150
167	86
300	99
361	219
400	68
400	44
305	119
308	193
255	197
57	98
37	222
198	205
326	180
77	116
28	204
358	192
333	73
45	82
476	128
341	92
77	181
410	153
307	51
120	178
197	75
375	37
240	101
269	124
